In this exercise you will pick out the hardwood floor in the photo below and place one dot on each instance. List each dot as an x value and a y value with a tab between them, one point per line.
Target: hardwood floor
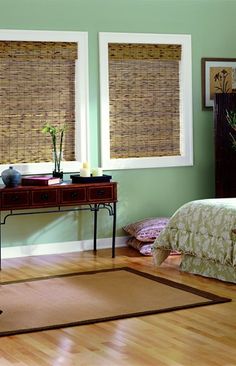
204	336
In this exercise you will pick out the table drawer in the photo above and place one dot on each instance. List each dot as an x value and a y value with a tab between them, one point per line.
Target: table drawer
72	196
97	194
44	197
14	200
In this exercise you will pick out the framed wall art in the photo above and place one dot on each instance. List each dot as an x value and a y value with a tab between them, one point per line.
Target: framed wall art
218	76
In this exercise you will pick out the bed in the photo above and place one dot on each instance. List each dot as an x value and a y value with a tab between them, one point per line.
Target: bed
204	231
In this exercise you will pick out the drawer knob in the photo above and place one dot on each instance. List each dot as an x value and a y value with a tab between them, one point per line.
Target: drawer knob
100	192
44	196
15	198
74	195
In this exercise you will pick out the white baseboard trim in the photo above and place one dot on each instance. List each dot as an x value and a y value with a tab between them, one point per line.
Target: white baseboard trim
59	248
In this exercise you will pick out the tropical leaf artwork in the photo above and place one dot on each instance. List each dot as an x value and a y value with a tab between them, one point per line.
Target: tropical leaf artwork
220	80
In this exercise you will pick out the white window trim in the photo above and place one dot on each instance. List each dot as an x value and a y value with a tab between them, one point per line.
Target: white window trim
81	96
186	139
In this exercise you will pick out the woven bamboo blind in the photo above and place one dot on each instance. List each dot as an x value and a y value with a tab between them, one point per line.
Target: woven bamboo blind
144	100
37	85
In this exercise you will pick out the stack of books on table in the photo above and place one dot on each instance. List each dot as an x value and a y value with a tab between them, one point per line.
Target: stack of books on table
39	180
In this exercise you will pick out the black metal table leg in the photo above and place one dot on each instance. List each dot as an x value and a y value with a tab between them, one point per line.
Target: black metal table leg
95	208
95	228
114	230
0	246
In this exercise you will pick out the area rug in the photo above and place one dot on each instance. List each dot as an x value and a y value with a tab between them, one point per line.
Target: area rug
90	297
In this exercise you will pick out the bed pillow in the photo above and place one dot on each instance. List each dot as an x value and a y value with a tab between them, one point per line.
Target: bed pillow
147	230
144	248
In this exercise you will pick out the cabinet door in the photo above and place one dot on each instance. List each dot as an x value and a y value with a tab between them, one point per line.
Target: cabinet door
44	197
225	155
15	200
73	196
101	194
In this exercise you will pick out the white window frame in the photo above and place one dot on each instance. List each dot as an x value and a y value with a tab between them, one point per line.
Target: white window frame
81	96
186	138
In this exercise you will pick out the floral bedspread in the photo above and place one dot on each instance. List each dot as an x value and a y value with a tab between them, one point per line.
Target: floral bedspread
202	228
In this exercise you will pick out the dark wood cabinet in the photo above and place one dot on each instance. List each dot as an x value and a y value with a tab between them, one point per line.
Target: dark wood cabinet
225	155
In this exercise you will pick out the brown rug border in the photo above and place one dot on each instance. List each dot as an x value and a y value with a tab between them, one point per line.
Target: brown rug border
213	299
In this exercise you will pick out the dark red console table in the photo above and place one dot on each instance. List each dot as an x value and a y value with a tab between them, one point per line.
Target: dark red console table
60	198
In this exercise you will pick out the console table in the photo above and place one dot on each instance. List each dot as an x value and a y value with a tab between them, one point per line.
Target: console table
61	197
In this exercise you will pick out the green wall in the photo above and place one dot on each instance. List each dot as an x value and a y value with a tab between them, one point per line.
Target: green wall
145	192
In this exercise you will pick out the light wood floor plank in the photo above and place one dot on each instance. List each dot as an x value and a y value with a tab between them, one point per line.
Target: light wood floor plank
204	336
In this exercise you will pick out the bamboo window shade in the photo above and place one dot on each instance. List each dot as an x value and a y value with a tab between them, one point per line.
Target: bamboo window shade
37	85
144	99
